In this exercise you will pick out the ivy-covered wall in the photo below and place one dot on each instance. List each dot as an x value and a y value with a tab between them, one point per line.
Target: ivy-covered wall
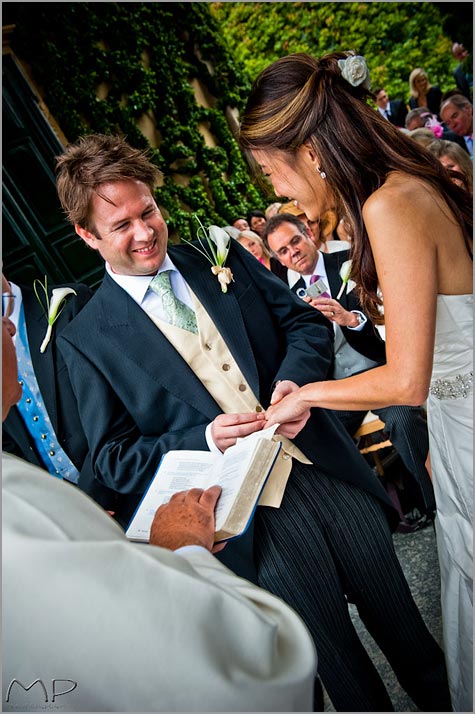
158	73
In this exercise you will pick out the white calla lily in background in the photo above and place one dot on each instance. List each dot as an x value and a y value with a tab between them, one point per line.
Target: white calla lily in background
345	271
53	308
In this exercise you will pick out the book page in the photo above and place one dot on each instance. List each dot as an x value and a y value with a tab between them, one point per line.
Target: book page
231	471
178	471
182	470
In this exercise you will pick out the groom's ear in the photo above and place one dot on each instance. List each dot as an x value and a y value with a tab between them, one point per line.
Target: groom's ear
89	238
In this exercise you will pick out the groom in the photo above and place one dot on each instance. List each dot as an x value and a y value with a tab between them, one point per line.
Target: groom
145	386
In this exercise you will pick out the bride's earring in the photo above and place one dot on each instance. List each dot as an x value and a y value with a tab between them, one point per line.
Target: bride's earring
322	173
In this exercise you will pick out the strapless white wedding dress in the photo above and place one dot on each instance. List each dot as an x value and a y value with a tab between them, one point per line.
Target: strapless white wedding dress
450	420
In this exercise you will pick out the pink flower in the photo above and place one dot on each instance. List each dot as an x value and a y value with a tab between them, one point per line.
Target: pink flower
436	130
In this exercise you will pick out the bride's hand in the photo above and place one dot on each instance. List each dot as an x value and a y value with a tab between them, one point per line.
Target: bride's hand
290	413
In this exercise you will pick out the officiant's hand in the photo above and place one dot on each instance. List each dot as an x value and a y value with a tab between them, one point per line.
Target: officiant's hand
227	428
187	519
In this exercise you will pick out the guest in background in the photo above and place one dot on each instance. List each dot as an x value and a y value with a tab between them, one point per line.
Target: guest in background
456	161
422	136
457	113
241	224
256	220
331	241
313	227
322	231
393	110
422	93
422	118
272	209
255	245
463	73
44	427
344	230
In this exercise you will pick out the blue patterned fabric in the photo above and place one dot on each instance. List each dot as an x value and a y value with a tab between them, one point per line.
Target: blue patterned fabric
32	409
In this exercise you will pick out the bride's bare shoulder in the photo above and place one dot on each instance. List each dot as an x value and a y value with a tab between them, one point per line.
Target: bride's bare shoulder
401	193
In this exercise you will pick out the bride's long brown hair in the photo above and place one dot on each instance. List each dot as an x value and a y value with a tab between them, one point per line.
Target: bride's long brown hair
300	99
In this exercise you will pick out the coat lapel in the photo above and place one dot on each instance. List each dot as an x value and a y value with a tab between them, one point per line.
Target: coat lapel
44	364
131	333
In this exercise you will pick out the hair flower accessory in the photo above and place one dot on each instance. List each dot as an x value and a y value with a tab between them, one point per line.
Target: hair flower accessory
345	271
53	308
355	70
215	250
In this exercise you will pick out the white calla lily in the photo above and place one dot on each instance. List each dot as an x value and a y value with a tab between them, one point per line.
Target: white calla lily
215	250
345	271
221	238
53	308
57	298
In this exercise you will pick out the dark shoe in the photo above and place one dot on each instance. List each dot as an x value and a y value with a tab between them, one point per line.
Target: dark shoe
410	523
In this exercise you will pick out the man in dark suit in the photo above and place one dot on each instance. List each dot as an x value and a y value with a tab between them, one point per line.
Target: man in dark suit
463	73
422	118
357	348
393	110
44	428
146	382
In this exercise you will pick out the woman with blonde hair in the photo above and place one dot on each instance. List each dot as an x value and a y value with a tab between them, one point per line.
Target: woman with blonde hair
422	93
255	245
308	126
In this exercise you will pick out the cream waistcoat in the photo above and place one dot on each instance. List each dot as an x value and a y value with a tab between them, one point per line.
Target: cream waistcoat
210	359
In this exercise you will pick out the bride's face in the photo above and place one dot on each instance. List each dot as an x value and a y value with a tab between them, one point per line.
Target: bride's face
297	178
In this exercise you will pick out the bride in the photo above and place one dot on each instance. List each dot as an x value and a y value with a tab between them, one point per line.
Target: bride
309	129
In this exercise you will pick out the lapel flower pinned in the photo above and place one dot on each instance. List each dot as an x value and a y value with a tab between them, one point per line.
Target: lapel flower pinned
215	250
53	307
345	271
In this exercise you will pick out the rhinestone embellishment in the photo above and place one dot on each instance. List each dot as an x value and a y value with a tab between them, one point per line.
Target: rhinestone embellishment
460	386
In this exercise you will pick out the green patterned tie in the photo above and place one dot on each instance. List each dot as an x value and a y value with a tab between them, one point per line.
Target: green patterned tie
177	313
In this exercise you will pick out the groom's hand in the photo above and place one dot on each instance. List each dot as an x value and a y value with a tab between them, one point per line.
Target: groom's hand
227	428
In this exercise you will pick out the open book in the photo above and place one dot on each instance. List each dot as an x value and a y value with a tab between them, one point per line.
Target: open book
241	471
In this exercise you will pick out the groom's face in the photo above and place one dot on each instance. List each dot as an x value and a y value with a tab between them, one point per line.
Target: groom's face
128	230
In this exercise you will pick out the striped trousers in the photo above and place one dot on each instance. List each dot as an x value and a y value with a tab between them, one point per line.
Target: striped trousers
329	544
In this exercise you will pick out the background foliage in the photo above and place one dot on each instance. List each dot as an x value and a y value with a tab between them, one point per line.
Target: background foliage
108	67
395	37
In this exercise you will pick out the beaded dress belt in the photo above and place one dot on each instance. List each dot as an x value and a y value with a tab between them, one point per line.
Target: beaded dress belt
460	386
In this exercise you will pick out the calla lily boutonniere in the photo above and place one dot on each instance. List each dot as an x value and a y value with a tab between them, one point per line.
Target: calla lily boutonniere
345	271
53	307
214	244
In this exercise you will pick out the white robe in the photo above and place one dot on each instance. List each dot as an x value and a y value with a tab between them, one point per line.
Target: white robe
134	627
